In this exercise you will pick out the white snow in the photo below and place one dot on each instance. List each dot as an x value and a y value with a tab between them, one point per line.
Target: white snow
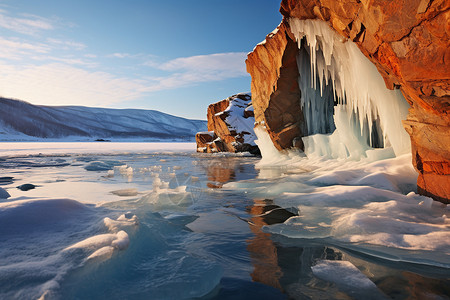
210	133
236	120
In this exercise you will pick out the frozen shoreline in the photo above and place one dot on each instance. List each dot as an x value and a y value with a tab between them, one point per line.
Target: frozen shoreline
9	149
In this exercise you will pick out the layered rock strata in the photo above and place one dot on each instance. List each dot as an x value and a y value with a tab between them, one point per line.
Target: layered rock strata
407	41
230	126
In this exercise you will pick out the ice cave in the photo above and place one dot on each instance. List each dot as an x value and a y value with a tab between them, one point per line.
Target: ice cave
348	112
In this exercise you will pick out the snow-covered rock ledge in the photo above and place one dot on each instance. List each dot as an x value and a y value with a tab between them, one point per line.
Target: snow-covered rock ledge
230	126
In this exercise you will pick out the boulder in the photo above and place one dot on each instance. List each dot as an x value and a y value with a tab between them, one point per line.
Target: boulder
230	126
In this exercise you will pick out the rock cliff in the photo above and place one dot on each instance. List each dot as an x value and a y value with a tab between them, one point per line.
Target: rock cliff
407	41
230	126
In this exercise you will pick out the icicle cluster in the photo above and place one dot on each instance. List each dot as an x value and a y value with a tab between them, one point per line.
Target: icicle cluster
338	72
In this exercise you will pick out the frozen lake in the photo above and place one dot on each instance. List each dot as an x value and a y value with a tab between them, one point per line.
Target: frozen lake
159	221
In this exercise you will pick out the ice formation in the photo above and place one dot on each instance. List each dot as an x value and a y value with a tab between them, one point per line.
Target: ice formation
4	194
346	105
343	273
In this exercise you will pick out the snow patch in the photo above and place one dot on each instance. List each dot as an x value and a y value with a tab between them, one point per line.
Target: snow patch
236	121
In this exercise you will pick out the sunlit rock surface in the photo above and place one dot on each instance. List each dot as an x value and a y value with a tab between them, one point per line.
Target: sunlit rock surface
408	44
230	126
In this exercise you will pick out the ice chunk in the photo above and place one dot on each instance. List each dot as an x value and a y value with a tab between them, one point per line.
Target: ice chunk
101	165
118	240
269	153
102	254
127	220
125	192
26	187
4	194
344	274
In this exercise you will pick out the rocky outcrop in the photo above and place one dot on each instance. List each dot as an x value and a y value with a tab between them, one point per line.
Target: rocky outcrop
230	126
275	90
408	42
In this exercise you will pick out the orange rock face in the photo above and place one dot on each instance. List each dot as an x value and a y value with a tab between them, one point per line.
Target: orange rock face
408	42
275	90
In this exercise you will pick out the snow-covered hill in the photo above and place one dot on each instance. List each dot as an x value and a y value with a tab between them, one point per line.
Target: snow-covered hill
20	120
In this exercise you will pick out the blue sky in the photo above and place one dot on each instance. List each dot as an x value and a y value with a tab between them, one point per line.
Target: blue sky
172	56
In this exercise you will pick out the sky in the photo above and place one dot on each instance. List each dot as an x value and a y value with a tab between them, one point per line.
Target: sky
173	56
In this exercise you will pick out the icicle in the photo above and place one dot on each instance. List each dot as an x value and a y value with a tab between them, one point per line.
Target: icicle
347	77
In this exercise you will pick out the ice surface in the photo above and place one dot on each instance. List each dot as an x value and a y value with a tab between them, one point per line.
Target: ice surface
40	148
21	216
49	244
32	234
159	244
155	264
165	198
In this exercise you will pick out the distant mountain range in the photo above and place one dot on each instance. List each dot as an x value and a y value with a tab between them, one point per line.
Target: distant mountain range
20	120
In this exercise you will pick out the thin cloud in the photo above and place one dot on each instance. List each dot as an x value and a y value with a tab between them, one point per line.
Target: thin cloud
66	60
25	24
15	49
198	69
232	62
61	84
120	55
65	81
66	44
